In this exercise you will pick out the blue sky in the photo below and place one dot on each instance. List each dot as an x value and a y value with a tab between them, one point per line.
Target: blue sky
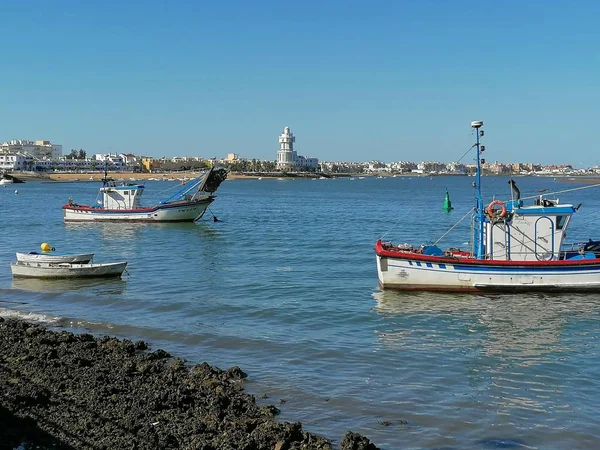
355	80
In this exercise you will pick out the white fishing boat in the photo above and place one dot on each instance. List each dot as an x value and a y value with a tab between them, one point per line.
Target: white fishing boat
35	257
66	270
5	181
514	247
122	202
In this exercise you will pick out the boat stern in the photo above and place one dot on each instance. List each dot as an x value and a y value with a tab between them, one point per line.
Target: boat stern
382	269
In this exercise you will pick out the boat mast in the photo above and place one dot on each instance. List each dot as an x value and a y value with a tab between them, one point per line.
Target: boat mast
105	179
479	247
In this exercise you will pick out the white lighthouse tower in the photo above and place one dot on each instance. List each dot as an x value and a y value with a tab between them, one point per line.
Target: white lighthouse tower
286	155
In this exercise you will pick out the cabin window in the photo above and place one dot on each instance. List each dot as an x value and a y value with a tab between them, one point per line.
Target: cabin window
560	222
125	192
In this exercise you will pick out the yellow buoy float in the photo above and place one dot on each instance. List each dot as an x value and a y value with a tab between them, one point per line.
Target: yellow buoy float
46	247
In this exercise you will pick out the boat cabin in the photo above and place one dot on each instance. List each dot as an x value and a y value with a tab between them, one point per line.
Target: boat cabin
527	233
126	196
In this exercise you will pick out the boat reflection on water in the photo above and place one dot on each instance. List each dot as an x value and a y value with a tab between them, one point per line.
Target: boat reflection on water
122	231
129	231
101	286
516	354
523	328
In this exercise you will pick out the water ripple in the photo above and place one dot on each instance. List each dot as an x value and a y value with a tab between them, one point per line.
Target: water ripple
286	288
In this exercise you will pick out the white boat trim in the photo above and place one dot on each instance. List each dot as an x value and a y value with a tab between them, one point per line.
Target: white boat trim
179	212
67	270
397	270
34	257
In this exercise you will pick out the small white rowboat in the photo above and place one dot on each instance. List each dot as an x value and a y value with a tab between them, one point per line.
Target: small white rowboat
66	270
34	257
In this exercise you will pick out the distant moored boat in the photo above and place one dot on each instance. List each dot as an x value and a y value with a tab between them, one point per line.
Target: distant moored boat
66	270
122	202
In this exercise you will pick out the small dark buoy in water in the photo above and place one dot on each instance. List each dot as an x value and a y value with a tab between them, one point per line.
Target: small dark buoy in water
215	219
447	203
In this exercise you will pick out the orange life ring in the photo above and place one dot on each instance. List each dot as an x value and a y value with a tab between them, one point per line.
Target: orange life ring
493	213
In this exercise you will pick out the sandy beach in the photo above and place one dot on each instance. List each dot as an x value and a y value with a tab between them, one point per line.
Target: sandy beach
179	176
173	176
124	176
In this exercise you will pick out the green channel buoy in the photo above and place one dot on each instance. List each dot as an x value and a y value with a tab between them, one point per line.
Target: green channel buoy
447	203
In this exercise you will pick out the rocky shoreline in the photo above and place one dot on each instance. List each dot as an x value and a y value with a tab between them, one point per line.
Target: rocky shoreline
77	391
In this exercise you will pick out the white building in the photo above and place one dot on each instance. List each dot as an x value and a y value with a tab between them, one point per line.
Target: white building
131	161
115	162
16	161
44	165
307	164
431	166
288	159
286	155
36	149
455	167
376	166
72	165
403	166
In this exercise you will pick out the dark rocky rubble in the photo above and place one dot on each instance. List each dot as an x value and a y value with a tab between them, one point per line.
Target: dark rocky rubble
75	391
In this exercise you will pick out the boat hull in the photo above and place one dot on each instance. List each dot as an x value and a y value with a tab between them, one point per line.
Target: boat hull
82	258
422	273
67	270
173	212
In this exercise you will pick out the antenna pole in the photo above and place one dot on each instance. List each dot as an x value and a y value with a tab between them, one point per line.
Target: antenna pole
479	238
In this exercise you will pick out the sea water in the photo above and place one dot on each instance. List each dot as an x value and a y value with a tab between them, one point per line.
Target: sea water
285	286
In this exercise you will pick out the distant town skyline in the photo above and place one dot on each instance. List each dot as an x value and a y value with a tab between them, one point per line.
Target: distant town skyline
356	81
286	157
43	155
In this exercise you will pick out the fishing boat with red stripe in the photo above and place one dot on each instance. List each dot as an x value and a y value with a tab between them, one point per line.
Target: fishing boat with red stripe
121	203
514	247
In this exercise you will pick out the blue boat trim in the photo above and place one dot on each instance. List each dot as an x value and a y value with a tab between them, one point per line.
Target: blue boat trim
553	210
527	269
128	187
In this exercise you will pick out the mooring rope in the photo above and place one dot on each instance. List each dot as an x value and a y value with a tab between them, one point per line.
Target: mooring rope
169	188
453	226
400	217
465	154
391	228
